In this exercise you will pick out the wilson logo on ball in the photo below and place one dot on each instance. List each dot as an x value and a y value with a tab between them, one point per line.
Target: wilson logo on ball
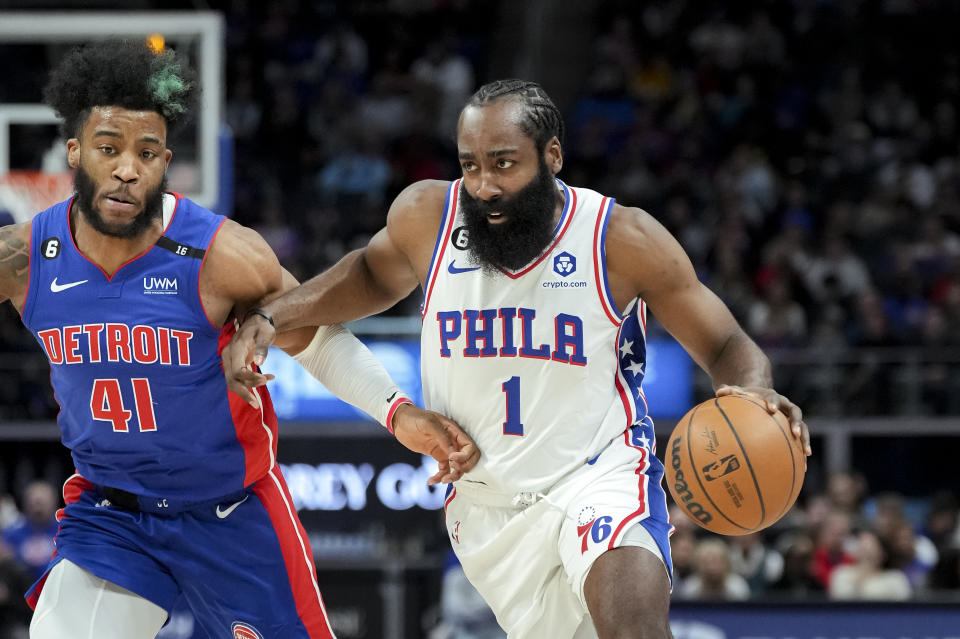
681	491
721	467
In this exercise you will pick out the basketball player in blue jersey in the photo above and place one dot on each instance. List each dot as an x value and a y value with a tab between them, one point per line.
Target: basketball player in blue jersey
533	339
132	292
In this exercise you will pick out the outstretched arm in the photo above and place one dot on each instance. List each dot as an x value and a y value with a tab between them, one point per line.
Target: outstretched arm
364	282
645	260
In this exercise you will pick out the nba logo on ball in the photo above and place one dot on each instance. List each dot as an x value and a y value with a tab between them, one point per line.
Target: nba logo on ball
244	631
564	264
719	468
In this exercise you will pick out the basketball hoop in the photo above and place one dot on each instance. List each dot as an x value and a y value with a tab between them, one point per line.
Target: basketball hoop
23	194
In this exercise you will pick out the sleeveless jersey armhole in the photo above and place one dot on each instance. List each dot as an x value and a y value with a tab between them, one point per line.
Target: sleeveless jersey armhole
600	262
195	298
443	238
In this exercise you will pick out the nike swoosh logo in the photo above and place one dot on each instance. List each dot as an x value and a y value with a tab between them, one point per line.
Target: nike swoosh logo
390	399
456	269
56	288
223	514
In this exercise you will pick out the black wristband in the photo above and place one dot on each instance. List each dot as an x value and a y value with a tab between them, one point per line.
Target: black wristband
262	313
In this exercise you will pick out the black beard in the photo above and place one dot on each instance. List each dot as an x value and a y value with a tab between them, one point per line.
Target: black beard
523	235
86	190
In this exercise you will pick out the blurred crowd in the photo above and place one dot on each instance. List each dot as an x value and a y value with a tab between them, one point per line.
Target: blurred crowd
27	528
805	153
843	544
807	165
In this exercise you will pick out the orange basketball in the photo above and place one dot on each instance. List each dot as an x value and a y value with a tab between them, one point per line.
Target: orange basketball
733	467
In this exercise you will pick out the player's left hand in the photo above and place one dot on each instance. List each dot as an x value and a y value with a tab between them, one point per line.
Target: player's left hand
430	433
774	402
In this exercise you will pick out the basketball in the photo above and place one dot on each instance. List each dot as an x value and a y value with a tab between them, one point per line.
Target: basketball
733	467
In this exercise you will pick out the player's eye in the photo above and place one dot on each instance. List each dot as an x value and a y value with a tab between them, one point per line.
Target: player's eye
504	163
468	166
105	149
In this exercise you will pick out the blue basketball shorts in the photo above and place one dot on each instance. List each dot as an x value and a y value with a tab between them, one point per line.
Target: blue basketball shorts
244	567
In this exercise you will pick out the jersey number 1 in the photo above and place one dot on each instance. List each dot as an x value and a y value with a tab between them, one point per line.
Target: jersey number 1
512	424
106	404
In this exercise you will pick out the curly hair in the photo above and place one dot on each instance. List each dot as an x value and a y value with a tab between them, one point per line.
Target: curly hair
541	121
121	73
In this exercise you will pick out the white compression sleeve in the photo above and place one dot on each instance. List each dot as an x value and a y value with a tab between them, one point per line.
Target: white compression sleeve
349	370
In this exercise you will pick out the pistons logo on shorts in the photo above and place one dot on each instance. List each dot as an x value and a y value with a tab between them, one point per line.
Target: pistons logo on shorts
244	631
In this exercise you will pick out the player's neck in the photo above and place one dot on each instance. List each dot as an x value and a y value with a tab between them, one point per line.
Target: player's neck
106	251
558	209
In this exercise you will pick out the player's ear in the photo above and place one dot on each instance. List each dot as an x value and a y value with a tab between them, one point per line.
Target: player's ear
553	155
73	152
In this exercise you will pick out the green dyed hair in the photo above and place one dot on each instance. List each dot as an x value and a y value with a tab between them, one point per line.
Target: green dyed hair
122	73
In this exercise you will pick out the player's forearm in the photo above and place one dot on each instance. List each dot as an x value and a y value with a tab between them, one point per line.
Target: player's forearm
740	362
347	368
345	292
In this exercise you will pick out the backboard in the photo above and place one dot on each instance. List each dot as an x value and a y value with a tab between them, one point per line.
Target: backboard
29	143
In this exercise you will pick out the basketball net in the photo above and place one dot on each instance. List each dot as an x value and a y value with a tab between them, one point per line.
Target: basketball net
23	194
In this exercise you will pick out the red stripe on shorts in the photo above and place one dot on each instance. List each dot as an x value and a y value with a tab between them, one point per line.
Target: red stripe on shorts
641	510
297	555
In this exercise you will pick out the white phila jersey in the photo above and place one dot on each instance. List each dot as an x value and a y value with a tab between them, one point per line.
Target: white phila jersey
537	365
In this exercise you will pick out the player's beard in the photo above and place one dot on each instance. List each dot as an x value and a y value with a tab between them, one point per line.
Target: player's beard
523	235
86	190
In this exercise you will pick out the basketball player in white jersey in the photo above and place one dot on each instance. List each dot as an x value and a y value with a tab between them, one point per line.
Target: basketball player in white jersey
534	318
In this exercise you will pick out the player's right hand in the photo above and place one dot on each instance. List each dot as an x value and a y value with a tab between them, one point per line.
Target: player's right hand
430	433
247	350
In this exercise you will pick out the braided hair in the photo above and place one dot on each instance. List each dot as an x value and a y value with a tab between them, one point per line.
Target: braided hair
541	117
122	73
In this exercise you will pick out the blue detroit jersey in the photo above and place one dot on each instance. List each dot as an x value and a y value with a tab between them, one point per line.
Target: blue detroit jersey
135	364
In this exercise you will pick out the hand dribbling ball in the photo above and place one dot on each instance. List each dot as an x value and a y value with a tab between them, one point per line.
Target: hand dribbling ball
733	467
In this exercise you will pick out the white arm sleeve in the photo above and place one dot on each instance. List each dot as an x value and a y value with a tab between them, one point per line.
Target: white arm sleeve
349	370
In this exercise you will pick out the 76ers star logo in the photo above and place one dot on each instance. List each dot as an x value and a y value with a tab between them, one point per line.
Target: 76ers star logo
592	528
244	631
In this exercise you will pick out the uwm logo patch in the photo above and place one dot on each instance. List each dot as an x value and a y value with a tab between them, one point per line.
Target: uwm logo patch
160	285
244	631
721	467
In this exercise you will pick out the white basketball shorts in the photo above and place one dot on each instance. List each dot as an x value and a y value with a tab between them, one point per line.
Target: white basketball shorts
529	554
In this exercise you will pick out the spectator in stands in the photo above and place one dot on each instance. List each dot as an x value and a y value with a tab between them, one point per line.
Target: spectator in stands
942	522
683	548
776	319
15	579
797	580
831	548
846	492
757	562
913	554
714	578
31	536
9	513
449	75
871	577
